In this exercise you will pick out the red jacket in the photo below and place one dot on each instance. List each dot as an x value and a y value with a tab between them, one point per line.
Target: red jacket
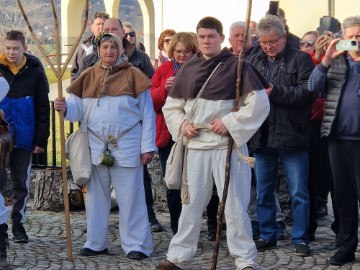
318	106
159	95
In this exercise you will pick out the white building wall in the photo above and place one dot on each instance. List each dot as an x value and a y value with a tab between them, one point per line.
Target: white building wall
184	15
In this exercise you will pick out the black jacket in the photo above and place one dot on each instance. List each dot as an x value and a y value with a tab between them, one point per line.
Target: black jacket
137	58
26	105
288	123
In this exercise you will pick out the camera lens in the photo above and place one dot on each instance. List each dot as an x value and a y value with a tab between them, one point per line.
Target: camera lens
353	42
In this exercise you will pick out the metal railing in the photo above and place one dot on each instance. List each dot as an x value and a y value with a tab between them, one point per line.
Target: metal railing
51	158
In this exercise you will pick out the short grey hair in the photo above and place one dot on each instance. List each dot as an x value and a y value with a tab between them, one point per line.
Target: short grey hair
239	24
350	21
270	22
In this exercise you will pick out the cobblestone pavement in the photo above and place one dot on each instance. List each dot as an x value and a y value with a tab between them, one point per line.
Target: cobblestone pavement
47	247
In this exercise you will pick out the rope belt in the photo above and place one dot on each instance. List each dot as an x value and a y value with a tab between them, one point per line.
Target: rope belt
111	139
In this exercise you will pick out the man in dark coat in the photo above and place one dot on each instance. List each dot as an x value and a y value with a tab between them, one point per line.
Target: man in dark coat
285	133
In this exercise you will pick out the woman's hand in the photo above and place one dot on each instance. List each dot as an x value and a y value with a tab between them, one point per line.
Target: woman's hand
188	130
147	157
169	82
321	44
60	104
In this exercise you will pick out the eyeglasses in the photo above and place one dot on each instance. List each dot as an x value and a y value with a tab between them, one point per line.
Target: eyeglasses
270	42
306	43
167	41
179	52
131	34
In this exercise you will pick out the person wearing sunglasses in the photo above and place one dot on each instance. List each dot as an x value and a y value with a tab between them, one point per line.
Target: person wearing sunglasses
130	35
320	178
307	43
163	45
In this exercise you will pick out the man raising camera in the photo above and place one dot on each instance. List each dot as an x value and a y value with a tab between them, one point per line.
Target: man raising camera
338	75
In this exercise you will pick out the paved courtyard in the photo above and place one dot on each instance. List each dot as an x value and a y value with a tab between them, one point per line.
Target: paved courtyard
47	247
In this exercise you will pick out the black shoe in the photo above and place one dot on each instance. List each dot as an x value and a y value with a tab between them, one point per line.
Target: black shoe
341	258
19	233
302	250
212	236
262	245
321	210
212	227
136	255
155	226
90	252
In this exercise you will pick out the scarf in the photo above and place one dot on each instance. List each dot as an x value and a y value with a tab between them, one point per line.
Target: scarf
176	66
163	57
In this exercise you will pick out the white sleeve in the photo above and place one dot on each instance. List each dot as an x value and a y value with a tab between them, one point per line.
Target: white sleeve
174	115
4	88
74	108
243	124
148	135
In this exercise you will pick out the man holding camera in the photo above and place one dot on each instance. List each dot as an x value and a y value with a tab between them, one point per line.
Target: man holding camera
339	75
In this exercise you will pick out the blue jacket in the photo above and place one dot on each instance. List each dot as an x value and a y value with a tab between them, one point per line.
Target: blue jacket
26	105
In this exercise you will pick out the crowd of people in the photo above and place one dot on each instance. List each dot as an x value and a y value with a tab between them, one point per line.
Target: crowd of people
293	103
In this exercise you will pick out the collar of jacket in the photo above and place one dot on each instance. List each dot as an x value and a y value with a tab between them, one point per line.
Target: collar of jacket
263	56
129	48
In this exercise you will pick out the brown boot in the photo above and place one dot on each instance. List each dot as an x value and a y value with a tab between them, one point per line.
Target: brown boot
4	242
167	265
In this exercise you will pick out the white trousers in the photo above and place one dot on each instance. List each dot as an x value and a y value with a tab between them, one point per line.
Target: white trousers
203	168
134	228
4	211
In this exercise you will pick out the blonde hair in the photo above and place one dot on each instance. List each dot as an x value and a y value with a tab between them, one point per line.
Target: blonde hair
186	38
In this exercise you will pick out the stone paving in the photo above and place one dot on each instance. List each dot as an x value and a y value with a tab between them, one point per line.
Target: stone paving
47	247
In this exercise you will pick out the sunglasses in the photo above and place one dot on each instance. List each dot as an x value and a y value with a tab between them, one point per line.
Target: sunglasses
131	34
304	43
167	41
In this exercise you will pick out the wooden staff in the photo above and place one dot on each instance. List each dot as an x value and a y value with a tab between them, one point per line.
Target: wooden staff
231	141
59	72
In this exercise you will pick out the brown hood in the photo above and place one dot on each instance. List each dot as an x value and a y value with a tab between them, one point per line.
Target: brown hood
122	79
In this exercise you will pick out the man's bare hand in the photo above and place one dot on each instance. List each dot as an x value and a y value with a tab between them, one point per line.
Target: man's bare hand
331	53
269	89
189	130
38	150
218	127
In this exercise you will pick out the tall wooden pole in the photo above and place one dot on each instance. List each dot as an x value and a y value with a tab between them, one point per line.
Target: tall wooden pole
59	72
231	141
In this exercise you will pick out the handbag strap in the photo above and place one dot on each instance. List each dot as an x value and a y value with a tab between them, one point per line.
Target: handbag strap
89	108
192	111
